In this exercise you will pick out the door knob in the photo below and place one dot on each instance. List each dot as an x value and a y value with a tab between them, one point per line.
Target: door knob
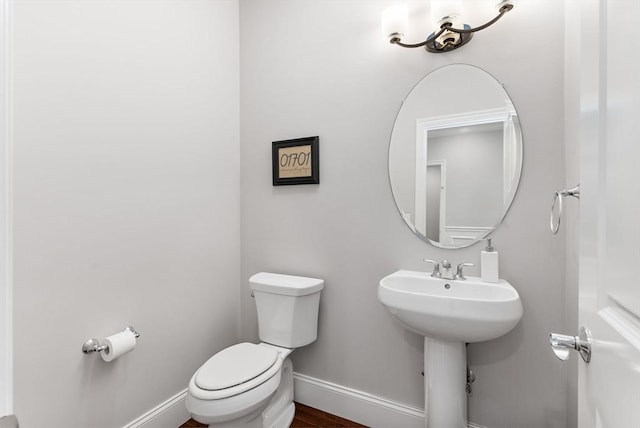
562	344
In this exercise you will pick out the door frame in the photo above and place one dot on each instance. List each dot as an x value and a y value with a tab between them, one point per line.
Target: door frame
424	125
443	194
6	208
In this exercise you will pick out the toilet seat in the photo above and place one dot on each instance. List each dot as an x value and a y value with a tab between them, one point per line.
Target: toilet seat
235	370
234	366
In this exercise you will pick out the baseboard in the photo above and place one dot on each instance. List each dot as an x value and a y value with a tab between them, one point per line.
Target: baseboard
170	414
349	403
355	405
358	406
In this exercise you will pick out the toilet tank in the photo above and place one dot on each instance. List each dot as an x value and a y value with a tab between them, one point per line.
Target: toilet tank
287	308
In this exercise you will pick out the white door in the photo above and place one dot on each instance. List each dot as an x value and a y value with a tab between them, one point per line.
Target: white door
609	294
6	299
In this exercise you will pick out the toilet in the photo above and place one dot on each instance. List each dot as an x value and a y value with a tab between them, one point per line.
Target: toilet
251	385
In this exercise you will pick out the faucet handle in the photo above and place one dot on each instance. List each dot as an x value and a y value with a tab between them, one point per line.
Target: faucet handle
459	273
436	267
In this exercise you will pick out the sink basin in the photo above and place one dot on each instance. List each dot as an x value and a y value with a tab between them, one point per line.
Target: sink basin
468	310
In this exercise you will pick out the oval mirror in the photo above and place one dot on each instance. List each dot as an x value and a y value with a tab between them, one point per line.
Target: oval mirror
455	156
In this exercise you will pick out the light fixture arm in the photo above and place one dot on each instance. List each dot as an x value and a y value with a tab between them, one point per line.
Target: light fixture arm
430	39
503	10
444	39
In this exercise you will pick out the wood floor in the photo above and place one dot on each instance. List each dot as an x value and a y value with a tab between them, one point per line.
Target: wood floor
306	417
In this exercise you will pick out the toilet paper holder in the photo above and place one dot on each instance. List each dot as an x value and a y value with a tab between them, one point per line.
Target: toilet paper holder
93	345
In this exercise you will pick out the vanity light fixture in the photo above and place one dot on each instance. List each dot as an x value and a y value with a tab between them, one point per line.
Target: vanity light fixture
452	34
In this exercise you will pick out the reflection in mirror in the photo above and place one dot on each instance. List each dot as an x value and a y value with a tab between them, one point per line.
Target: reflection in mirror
455	156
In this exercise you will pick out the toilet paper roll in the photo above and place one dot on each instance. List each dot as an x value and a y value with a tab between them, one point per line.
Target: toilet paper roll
118	344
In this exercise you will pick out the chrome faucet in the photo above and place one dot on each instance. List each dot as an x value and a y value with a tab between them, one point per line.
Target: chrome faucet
436	268
459	275
441	269
444	270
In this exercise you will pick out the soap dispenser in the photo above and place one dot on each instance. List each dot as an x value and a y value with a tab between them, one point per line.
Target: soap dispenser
489	263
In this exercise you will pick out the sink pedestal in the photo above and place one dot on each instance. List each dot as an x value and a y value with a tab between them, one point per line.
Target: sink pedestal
445	382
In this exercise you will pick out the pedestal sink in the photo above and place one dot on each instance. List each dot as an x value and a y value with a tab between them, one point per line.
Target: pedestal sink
449	313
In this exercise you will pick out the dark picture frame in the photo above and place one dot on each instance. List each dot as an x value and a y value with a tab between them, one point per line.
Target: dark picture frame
296	161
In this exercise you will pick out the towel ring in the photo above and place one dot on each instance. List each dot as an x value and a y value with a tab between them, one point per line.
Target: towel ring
558	197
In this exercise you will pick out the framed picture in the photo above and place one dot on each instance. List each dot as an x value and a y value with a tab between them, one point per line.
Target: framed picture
296	161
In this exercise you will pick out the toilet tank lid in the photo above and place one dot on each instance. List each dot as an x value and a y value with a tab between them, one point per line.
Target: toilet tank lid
287	285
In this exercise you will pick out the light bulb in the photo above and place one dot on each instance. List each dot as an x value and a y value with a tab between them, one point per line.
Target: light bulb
504	3
395	21
446	11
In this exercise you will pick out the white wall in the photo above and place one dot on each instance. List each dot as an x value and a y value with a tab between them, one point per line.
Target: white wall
321	68
126	201
475	171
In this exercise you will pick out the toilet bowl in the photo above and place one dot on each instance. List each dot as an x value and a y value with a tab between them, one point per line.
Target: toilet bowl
251	385
237	384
